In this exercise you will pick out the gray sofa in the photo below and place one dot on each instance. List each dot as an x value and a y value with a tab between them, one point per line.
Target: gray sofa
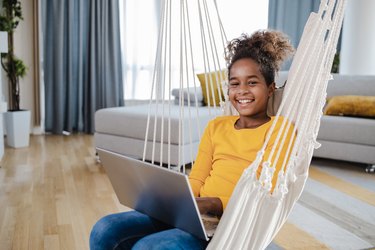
348	138
123	131
342	138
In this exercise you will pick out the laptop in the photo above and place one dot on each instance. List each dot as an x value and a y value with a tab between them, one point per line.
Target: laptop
160	193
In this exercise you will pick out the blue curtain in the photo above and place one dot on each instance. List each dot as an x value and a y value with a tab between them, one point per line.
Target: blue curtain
290	16
82	62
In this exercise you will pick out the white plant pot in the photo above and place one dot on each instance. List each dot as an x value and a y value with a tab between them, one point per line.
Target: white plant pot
17	125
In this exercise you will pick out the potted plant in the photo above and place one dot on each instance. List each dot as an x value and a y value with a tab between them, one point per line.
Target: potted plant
17	121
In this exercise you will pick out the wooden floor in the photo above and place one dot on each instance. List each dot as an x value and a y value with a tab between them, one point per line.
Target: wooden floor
52	193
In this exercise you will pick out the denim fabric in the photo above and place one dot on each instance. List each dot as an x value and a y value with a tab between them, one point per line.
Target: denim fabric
134	230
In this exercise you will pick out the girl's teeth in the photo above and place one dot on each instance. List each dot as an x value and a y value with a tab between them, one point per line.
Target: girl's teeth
244	101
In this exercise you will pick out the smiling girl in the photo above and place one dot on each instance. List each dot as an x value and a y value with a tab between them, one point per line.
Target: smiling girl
230	143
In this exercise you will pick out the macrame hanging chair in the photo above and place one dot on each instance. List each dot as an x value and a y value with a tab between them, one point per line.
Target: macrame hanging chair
253	215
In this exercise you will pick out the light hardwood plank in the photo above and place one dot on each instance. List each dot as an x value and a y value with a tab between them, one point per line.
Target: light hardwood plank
52	193
51	242
8	228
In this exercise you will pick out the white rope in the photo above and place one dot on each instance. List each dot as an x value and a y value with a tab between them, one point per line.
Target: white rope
212	43
194	82
159	93
162	91
157	62
186	32
182	104
162	78
268	167
205	57
222	30
304	128
170	89
213	55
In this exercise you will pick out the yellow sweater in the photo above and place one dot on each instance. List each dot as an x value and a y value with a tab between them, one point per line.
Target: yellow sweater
224	152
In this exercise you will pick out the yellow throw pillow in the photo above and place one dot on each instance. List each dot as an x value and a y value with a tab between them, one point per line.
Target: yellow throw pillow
351	105
205	80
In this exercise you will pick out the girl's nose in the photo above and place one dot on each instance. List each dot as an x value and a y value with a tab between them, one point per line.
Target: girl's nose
243	89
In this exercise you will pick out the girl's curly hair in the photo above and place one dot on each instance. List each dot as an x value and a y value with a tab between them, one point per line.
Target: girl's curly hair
268	48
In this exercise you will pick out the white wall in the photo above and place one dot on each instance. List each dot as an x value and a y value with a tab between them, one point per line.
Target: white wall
3	45
3	78
24	49
358	38
3	82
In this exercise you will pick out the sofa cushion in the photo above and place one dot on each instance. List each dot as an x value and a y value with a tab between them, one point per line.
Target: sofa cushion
132	122
189	93
351	85
351	105
347	129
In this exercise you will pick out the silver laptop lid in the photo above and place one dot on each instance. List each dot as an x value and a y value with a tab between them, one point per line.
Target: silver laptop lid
156	191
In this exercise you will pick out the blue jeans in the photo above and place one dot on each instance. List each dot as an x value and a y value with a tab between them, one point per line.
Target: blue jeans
134	230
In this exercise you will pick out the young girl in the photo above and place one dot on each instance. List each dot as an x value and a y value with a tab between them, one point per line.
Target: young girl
228	146
231	143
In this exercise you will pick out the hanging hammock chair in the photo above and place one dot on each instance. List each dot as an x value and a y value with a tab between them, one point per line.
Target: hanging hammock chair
253	215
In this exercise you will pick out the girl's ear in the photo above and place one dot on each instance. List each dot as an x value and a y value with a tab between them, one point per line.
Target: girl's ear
271	89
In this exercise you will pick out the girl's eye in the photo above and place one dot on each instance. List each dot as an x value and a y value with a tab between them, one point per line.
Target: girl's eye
251	83
233	84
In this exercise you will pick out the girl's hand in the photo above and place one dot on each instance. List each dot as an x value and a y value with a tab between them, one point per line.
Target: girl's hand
210	205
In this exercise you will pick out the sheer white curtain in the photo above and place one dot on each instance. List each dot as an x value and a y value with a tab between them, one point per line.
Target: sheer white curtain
139	28
139	33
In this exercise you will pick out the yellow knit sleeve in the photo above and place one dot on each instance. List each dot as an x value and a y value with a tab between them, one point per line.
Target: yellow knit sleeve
224	201
282	147
203	162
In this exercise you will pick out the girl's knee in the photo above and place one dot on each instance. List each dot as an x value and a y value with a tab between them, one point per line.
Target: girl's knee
110	222
100	232
120	229
107	231
170	239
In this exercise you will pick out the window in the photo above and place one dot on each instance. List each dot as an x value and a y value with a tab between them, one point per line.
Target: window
140	21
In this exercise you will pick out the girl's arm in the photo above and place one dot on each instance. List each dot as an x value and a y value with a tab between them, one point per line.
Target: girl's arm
210	205
203	163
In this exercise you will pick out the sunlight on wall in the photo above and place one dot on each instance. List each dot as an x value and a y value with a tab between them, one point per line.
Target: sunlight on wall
243	16
139	32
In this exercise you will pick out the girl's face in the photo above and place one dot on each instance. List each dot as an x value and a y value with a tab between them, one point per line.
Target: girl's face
248	91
